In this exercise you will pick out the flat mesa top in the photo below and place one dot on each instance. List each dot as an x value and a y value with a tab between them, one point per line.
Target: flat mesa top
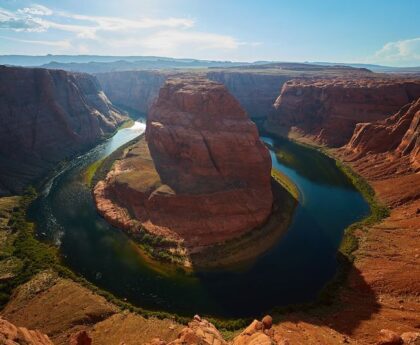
193	84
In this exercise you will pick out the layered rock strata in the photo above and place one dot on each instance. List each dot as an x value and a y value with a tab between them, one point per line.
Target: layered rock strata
135	90
203	177
12	335
47	116
327	110
393	142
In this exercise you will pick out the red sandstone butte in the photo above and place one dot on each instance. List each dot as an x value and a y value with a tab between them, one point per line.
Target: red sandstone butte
327	110
207	177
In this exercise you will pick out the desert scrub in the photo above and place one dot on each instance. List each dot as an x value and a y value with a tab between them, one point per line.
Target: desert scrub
28	255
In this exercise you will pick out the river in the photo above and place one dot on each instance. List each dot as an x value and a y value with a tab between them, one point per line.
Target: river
292	271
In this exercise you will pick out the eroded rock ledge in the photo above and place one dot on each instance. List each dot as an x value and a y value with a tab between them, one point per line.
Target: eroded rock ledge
203	176
327	109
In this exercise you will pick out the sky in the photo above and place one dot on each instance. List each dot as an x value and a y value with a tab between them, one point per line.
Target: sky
383	32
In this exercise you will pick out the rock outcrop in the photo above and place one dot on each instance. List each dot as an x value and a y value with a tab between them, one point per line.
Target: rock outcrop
395	140
200	331
135	90
207	176
12	335
327	110
47	116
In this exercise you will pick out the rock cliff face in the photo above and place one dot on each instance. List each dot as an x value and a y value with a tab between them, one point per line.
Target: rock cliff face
45	117
327	110
397	138
12	335
200	331
256	92
136	90
207	176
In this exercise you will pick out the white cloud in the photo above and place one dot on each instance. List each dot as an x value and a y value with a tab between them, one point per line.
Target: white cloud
399	52
37	10
90	34
20	22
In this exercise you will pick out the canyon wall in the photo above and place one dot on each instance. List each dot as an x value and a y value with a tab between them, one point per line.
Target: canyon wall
135	90
327	110
207	177
389	147
47	116
255	88
256	92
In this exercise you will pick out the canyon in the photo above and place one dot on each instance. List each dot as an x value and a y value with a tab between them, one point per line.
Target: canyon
369	123
201	176
255	87
46	117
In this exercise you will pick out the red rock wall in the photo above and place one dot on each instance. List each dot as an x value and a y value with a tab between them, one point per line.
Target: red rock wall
12	335
256	92
395	140
45	117
136	90
329	109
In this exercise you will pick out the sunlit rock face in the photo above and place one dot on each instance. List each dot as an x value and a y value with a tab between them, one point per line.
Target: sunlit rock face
47	116
204	175
393	143
327	110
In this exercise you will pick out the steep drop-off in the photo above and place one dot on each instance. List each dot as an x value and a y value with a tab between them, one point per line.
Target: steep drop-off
327	110
256	92
393	142
206	178
136	90
47	116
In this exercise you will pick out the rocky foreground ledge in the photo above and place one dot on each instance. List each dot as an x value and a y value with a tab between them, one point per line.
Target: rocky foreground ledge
200	177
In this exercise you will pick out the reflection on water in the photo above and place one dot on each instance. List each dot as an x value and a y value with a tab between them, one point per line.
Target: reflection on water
292	271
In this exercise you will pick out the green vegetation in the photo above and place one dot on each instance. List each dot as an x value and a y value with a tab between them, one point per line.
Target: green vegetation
91	170
377	212
160	248
126	124
28	256
285	182
350	243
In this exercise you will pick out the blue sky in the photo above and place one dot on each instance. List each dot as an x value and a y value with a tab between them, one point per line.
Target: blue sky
370	31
